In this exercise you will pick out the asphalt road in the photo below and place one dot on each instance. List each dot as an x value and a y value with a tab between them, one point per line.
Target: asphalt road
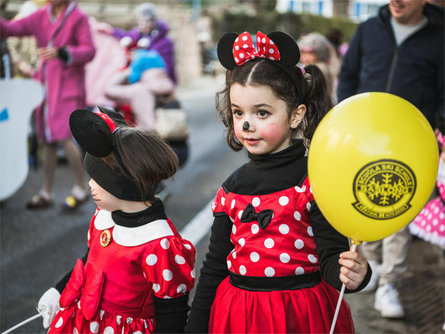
39	247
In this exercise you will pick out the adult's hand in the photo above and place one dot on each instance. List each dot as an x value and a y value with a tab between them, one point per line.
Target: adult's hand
47	53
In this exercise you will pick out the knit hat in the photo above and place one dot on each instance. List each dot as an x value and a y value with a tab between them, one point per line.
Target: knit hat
317	44
146	10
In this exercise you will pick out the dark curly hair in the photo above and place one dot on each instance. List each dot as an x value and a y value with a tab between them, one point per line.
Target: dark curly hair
146	158
310	90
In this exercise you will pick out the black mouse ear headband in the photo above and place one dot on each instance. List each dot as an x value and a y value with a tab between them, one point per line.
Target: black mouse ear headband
95	132
234	50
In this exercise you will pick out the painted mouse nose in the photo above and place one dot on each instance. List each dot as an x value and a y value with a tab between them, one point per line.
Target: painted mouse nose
246	126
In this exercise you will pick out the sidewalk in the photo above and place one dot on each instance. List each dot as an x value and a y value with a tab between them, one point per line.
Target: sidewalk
422	294
422	288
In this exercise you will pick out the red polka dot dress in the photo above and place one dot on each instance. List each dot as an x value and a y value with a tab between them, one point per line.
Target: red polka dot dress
285	246
280	252
128	273
430	223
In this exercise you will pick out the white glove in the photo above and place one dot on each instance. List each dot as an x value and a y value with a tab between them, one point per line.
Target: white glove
48	306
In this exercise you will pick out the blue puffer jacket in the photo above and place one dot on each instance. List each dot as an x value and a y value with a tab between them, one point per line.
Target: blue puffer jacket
414	70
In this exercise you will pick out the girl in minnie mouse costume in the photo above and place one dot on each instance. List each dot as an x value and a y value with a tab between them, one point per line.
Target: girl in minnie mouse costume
274	265
138	271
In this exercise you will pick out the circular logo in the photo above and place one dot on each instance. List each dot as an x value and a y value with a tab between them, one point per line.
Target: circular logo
105	238
383	189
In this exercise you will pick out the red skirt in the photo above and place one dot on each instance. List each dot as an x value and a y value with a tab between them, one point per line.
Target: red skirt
309	310
71	320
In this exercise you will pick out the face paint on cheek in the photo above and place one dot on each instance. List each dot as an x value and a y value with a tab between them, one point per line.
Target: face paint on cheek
271	132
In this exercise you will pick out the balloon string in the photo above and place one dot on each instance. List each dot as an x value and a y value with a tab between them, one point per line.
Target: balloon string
342	292
22	323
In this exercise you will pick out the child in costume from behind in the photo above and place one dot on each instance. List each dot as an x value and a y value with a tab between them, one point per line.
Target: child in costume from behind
274	264
430	222
138	271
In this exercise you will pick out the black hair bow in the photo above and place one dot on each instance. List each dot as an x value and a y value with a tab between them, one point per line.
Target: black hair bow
263	217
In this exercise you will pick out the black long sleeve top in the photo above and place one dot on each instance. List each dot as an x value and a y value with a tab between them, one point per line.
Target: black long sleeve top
264	174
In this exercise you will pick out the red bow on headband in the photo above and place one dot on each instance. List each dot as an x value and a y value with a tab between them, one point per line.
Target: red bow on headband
243	49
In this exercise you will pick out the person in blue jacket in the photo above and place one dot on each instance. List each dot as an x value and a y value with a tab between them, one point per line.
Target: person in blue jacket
400	51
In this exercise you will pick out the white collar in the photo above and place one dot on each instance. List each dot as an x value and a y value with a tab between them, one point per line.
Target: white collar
132	236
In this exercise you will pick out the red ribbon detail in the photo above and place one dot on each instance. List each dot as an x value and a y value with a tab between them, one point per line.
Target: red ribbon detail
107	120
243	49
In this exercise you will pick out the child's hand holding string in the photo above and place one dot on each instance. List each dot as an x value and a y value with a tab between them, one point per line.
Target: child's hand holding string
353	268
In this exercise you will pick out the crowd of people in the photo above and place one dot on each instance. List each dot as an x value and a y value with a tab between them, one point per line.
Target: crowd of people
138	271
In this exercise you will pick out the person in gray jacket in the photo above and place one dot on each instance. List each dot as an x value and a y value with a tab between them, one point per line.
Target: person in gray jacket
400	51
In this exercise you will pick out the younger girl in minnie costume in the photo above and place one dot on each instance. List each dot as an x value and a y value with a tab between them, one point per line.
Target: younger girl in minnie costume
138	272
274	263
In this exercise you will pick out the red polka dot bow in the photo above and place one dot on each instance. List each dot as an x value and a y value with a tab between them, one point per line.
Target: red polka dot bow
243	49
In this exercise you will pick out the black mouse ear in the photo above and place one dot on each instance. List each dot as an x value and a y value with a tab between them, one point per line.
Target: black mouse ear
117	117
93	131
288	48
225	50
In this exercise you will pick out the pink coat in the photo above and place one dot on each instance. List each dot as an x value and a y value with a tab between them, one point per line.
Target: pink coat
64	82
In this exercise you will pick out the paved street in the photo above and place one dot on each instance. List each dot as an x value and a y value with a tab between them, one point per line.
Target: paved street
38	247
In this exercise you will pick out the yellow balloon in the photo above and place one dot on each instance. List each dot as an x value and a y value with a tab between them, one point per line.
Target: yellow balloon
372	165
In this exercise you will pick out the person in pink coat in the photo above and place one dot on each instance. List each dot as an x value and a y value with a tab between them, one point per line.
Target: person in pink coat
65	45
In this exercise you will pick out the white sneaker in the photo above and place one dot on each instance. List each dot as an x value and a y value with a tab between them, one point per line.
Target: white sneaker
387	302
372	284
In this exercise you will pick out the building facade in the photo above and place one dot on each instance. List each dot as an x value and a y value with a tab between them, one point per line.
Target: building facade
357	10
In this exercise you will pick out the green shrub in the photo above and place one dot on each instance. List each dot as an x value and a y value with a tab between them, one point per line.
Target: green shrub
293	24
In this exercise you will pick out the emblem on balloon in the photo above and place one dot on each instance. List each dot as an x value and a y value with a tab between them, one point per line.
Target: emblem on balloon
383	189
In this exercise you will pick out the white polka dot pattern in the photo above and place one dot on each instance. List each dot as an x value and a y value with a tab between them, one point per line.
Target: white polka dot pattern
284	257
59	323
94	327
182	288
255	228
269	271
430	222
269	243
167	274
312	258
284	200
284	229
254	257
299	244
179	259
151	259
310	232
108	330
286	246
244	50
165	243
242	270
